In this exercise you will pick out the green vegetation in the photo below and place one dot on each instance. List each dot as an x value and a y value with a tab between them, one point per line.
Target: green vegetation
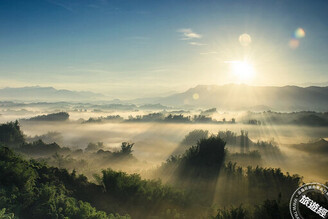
194	136
301	118
202	168
269	209
11	135
129	193
199	183
115	118
33	190
61	116
163	117
251	158
305	118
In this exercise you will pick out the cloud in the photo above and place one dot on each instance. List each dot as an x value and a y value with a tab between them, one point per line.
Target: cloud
63	4
197	44
77	5
188	34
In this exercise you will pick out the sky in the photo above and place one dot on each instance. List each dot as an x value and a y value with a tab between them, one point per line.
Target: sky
128	48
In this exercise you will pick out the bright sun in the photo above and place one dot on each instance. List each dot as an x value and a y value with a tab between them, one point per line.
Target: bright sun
242	70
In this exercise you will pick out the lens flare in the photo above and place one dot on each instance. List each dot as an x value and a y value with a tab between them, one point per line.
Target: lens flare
245	39
294	43
299	33
195	96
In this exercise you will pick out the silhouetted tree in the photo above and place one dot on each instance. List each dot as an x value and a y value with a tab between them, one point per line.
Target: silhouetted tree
126	148
242	141
11	135
93	147
200	166
246	142
228	136
194	136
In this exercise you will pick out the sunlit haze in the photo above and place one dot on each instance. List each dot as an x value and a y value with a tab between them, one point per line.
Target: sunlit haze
128	49
144	109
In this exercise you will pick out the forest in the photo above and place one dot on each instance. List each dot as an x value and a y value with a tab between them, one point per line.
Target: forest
175	109
209	116
38	180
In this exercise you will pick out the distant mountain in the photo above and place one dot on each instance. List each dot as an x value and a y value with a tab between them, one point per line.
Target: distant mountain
224	97
244	97
49	94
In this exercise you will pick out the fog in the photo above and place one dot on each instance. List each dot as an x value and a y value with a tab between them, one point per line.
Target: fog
168	147
156	141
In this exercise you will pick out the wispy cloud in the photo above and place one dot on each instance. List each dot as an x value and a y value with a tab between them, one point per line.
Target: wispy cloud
188	34
63	4
197	44
76	5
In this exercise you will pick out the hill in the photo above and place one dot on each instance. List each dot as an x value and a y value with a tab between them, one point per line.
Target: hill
244	97
318	147
223	97
49	94
61	116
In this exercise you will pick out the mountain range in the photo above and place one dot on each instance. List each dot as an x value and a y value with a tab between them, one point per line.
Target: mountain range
244	97
223	97
48	94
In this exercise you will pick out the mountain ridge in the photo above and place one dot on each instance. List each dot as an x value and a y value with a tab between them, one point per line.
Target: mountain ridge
224	97
38	93
245	97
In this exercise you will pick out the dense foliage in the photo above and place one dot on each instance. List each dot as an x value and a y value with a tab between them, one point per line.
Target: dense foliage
11	135
199	182
194	136
305	118
32	190
61	116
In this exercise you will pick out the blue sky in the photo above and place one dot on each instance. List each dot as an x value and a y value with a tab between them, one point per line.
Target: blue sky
145	48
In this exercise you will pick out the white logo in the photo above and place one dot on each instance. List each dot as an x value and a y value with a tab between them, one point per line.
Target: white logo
309	200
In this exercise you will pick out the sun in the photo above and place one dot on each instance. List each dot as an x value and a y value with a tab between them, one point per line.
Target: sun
242	70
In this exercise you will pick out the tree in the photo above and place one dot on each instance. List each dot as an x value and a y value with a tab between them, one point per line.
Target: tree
126	148
59	159
4	215
33	190
242	142
194	136
93	147
11	135
200	166
246	141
